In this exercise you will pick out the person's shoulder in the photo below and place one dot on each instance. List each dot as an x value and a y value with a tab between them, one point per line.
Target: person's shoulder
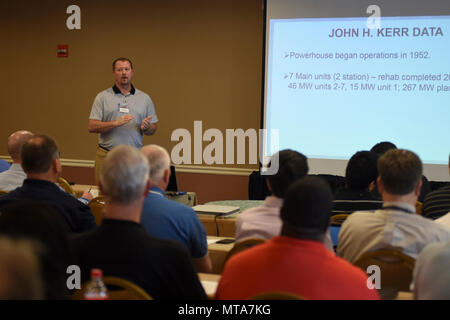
170	249
362	220
169	205
363	215
104	93
180	207
141	93
81	241
429	223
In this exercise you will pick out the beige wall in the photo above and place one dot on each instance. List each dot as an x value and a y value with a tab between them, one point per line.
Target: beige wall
198	60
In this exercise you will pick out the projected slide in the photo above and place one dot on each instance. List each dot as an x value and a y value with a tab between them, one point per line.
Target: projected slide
334	86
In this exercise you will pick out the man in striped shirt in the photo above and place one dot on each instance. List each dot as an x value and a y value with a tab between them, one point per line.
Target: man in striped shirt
437	203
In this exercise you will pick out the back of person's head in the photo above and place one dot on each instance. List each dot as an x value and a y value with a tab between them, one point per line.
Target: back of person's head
38	153
41	223
124	175
292	166
399	171
15	143
159	161
307	208
431	275
361	170
20	274
381	147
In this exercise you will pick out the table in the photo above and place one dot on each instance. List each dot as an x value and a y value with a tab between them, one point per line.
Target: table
404	295
218	252
225	226
209	282
187	198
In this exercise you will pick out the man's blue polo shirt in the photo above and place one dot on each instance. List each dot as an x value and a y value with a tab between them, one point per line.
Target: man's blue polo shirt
167	219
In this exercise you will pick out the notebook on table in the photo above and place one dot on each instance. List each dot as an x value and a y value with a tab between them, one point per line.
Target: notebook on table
215	210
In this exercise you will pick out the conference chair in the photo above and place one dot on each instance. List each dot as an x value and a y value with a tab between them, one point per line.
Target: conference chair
338	219
241	246
276	295
66	186
419	206
118	289
96	205
396	270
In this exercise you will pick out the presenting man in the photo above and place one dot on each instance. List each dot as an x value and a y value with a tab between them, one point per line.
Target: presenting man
121	114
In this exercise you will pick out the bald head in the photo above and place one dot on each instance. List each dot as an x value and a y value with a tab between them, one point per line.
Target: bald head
159	161
15	142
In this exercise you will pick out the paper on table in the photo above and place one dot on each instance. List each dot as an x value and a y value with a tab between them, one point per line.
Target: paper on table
94	192
211	241
210	286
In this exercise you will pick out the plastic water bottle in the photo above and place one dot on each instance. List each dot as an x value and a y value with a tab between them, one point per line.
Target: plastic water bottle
96	289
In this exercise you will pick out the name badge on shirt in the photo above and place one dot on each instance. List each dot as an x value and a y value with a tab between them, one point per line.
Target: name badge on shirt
123	108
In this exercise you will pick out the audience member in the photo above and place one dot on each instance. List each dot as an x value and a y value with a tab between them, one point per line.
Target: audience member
297	261
360	179
41	224
437	203
121	247
264	221
431	277
20	277
40	161
380	149
4	165
396	225
167	219
14	176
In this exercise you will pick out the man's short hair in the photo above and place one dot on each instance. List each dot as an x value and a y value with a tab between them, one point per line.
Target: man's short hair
381	147
38	153
159	160
16	141
361	170
124	175
400	171
121	59
307	206
292	166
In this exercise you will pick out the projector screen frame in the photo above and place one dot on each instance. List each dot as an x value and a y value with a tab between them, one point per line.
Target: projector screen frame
434	172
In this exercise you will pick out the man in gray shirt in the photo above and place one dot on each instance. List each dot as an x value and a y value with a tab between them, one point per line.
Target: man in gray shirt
121	114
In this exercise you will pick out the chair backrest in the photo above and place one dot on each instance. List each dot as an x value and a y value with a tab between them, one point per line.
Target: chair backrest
97	205
338	219
3	192
396	268
276	295
243	245
118	289
419	206
66	186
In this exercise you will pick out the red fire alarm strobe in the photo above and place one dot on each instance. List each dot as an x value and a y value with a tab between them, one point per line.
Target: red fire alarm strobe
62	51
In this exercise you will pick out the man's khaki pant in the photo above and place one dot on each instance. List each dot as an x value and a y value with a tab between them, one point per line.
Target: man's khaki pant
99	158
